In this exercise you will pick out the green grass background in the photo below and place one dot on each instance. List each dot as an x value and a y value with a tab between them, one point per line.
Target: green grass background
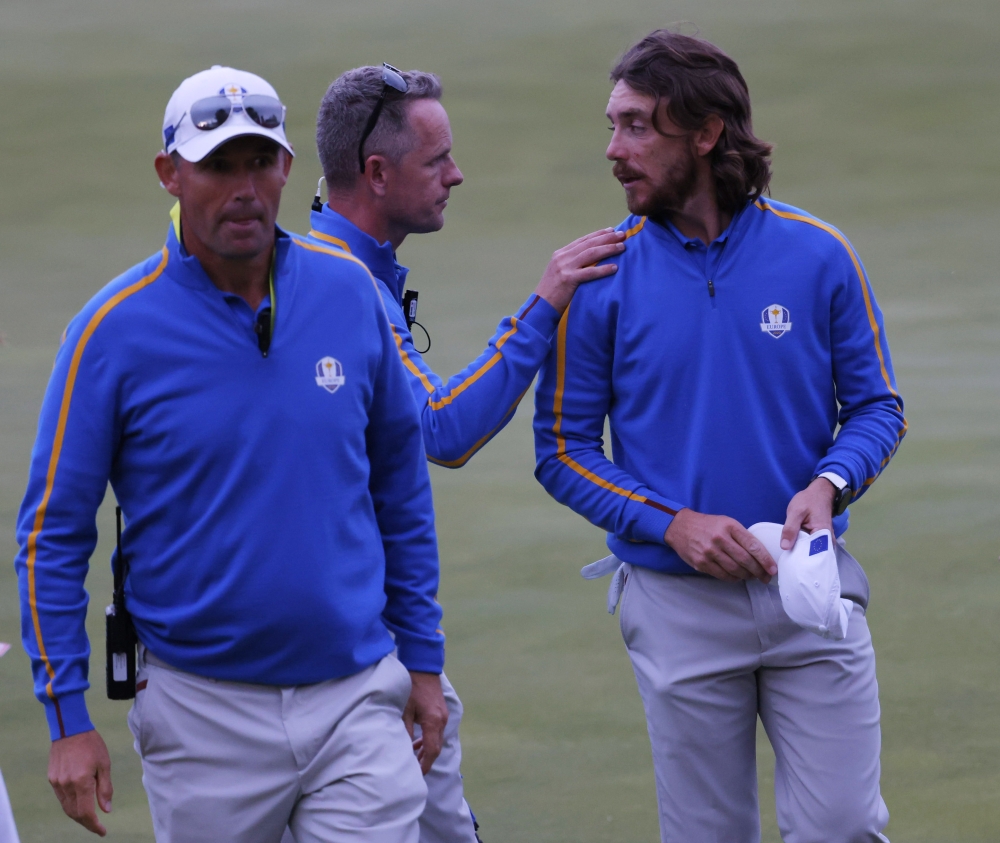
885	117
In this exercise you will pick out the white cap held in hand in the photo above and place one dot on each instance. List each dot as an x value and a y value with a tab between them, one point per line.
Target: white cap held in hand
808	580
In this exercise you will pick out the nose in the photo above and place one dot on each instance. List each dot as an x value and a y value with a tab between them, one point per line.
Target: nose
244	185
453	176
615	150
613	153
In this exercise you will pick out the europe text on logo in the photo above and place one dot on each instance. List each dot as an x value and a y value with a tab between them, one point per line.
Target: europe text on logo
329	374
775	319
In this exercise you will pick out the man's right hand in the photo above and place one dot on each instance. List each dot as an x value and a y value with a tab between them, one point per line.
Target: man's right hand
79	771
719	546
572	265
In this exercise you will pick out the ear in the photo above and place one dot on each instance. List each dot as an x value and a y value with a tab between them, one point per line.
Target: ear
708	135
376	174
167	173
286	164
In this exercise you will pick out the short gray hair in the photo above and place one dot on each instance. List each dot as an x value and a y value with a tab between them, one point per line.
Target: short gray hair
345	109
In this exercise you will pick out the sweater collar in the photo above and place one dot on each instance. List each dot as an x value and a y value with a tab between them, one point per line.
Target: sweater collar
735	227
330	227
187	270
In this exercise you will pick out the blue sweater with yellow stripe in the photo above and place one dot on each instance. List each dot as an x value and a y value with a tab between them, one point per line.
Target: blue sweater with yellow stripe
278	509
724	371
460	415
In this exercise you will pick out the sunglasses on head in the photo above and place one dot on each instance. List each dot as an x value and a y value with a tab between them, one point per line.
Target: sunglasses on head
392	77
212	112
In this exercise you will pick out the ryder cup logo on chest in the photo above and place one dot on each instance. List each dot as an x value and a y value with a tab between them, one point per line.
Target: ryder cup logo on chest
329	374
775	320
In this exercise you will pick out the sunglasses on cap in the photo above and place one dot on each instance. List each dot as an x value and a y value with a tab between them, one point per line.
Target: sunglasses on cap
392	77
210	113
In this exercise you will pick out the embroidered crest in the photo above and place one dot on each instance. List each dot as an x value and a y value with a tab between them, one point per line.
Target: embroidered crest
775	320
329	374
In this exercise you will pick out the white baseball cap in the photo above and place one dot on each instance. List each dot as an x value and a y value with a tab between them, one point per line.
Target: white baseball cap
808	580
220	104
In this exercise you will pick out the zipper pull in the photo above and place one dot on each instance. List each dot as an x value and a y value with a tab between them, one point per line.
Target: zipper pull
711	289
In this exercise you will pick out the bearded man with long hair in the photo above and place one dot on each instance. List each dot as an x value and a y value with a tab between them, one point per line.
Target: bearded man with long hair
741	359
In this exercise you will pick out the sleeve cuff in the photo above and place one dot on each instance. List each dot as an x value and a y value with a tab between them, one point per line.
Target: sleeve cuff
650	523
67	716
421	655
540	315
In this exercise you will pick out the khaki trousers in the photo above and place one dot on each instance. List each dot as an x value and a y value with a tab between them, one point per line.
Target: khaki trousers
447	817
710	657
226	761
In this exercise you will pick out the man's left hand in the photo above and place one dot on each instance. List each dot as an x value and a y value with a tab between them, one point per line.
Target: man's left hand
574	265
426	707
810	510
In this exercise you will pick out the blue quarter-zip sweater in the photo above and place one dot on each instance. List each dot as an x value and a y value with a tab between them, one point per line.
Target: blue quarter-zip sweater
279	522
461	415
724	371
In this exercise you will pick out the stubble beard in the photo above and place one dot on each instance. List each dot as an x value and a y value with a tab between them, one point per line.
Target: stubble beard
671	194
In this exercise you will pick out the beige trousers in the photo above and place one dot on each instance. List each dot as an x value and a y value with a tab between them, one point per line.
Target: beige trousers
710	658
237	762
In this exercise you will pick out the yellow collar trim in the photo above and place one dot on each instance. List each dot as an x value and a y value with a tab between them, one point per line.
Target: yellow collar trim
175	216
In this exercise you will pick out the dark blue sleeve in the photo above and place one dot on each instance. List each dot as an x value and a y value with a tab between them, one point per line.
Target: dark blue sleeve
78	431
401	492
871	418
572	400
462	415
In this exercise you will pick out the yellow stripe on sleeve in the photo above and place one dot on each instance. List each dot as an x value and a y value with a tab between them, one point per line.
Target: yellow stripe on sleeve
408	362
57	444
872	321
557	405
482	370
462	460
829	229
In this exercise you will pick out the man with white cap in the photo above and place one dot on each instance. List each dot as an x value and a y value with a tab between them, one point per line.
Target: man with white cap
242	392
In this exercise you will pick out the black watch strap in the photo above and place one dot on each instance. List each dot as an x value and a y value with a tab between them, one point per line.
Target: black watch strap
842	499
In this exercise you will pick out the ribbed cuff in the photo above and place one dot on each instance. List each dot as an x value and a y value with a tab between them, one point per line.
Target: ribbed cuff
67	716
540	315
650	522
421	655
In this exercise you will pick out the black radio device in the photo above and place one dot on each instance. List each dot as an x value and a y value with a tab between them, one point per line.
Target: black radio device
119	630
410	307
410	298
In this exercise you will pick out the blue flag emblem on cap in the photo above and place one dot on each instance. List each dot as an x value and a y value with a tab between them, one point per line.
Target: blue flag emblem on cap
168	136
818	545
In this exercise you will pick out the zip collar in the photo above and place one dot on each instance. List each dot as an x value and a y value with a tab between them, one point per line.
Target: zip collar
732	231
336	230
187	270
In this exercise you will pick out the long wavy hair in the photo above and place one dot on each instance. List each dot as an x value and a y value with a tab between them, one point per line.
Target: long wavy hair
697	80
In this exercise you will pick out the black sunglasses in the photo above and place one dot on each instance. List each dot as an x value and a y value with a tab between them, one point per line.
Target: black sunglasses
392	77
212	112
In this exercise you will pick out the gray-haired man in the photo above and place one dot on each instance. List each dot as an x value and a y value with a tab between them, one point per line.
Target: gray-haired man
384	141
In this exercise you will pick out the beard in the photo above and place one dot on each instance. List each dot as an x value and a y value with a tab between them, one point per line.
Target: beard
670	194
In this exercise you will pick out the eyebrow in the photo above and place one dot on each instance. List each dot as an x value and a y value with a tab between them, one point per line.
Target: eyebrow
442	151
629	112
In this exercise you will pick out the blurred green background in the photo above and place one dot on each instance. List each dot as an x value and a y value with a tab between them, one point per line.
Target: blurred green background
885	119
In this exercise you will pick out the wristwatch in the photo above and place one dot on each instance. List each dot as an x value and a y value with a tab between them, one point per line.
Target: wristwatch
844	492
